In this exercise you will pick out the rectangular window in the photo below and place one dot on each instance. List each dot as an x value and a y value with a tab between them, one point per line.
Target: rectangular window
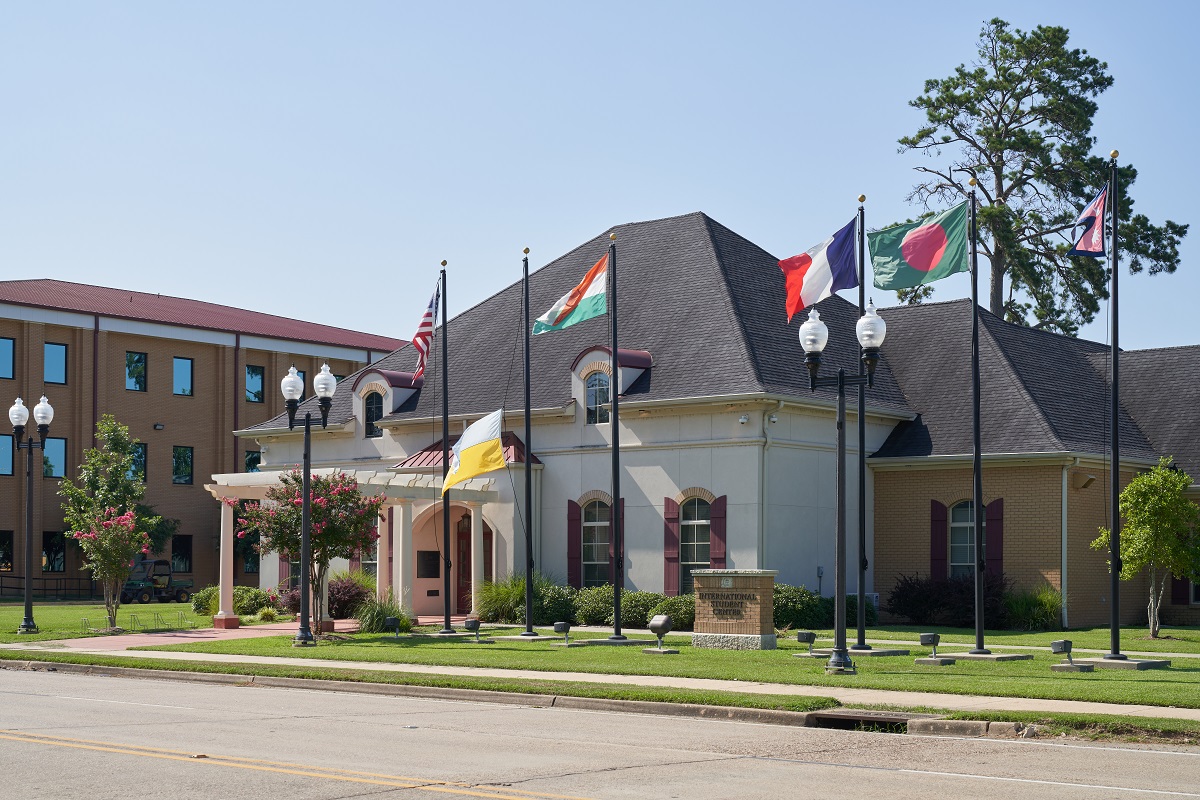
135	371
54	363
54	458
181	464
6	454
962	540
370	560
1196	592
254	384
595	544
183	376
253	457
303	382
6	551
137	470
250	563
7	350
181	553
54	552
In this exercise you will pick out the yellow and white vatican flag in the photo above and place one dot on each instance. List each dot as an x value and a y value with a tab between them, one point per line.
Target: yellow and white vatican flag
477	451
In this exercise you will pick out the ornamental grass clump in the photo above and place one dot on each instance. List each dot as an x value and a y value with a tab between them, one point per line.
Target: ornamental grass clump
372	614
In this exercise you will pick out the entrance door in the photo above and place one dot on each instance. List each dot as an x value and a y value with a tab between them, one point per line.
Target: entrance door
463	531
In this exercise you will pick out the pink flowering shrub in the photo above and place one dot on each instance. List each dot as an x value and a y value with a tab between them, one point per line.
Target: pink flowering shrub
342	522
111	544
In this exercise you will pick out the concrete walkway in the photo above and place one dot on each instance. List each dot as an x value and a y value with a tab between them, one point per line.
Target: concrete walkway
847	695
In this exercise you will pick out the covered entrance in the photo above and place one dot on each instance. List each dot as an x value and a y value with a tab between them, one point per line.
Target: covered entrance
463	551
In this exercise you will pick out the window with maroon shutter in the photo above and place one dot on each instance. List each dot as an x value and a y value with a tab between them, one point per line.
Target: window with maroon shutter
993	543
285	569
574	545
1180	592
938	541
670	547
716	548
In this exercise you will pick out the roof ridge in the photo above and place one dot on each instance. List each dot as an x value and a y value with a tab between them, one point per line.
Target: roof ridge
1016	376
906	306
748	352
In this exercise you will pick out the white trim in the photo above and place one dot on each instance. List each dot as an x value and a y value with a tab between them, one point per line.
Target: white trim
1002	460
293	347
163	331
47	316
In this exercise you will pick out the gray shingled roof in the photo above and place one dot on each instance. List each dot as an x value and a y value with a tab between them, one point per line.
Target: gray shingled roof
1160	389
705	302
1040	392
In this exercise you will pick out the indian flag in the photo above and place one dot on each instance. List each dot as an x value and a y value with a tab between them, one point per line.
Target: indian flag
477	451
588	299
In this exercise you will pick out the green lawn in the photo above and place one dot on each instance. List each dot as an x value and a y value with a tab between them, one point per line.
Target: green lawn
1133	639
1178	686
65	620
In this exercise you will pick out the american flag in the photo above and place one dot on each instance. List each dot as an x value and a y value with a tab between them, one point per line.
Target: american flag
424	335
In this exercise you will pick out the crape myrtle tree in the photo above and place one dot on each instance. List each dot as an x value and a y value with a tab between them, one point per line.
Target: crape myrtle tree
110	544
342	521
111	477
1019	120
1159	534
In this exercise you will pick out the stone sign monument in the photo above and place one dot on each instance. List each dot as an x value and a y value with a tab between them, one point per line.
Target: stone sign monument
735	609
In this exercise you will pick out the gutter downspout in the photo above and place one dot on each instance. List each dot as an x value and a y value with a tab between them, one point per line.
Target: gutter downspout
237	352
1063	569
762	483
95	375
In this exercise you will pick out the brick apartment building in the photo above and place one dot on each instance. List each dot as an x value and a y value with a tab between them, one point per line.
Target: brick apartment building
182	374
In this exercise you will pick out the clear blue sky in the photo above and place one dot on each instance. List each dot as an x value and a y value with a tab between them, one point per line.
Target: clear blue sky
318	160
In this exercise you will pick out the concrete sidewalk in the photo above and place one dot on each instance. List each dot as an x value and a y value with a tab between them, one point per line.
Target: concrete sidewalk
847	695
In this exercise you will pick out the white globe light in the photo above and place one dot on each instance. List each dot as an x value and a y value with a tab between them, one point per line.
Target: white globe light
291	385
43	413
813	333
870	328
18	415
325	384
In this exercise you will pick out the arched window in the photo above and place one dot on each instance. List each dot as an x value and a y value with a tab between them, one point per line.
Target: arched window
962	539
595	544
597	398
373	406
694	540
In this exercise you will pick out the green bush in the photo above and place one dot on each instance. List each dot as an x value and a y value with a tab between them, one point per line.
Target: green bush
827	612
636	608
373	612
1038	609
204	602
925	601
364	579
553	603
247	600
681	610
503	601
594	605
796	608
268	614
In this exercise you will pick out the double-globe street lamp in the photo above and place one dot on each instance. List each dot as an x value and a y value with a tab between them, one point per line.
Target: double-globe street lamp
870	330
18	415
292	387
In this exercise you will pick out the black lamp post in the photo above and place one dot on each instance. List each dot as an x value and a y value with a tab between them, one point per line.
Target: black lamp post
43	415
293	387
813	337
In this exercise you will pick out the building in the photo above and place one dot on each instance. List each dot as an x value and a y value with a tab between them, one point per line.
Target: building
727	457
181	374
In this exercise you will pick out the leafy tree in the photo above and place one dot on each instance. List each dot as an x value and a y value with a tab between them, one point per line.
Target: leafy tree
108	478
1019	120
110	543
343	521
1159	533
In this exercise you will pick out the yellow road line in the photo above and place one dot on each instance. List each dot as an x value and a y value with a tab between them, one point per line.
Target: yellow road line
285	768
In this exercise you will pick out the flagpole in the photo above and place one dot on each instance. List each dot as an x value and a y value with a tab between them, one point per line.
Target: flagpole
446	627
528	459
1114	523
977	449
614	387
861	644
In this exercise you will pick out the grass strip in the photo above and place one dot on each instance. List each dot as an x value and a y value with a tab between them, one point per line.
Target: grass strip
615	691
1099	727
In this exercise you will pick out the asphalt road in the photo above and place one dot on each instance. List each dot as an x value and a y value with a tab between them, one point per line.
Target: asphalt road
66	736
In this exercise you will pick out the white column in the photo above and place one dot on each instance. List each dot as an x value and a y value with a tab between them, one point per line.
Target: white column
225	617
383	576
406	563
477	554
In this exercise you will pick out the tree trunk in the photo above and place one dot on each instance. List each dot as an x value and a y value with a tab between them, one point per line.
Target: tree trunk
1156	593
996	287
317	582
112	600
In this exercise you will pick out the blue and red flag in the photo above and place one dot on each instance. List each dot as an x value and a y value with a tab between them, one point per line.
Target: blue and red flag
1091	242
820	271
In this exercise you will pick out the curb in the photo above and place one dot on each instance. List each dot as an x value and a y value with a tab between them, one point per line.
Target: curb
971	728
730	713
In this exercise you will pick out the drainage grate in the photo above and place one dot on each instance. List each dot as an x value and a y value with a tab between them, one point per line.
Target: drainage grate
855	719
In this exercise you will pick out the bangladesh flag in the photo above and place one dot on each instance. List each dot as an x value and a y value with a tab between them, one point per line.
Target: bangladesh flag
915	253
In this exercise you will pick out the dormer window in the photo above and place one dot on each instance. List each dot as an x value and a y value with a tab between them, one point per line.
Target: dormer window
373	412
597	398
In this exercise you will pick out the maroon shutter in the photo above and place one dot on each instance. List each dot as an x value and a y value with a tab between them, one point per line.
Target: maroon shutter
1180	592
670	547
939	536
285	569
716	533
574	545
993	534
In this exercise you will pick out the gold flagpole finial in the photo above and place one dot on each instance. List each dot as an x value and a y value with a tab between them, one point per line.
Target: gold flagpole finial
612	236
862	198
1114	154
972	181
525	251
443	262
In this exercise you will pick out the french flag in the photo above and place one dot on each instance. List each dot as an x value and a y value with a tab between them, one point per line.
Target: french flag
820	271
1091	242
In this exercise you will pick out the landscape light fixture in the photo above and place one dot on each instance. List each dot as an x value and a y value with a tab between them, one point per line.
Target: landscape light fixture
564	628
931	640
471	625
808	638
18	415
292	388
1062	647
814	335
660	626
